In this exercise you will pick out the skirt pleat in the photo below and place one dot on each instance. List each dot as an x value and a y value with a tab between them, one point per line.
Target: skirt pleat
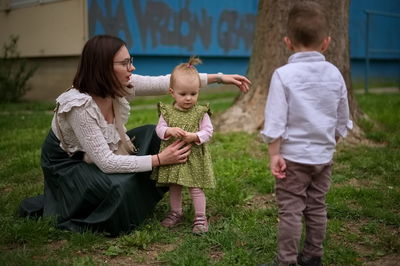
82	197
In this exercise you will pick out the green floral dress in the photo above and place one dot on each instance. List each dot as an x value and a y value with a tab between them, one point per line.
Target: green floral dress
197	171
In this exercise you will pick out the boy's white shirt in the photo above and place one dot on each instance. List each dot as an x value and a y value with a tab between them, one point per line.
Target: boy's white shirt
307	106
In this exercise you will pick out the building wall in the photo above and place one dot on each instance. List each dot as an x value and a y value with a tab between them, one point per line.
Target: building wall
384	30
384	40
163	33
52	29
53	76
51	36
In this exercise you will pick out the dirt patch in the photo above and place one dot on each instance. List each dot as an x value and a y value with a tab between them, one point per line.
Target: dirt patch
353	227
357	137
147	256
360	183
56	245
365	246
6	189
214	218
357	183
120	260
216	254
156	249
258	148
10	247
389	260
261	201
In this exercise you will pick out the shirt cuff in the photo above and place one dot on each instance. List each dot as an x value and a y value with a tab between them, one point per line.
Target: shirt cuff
266	139
201	137
342	132
203	80
161	133
144	163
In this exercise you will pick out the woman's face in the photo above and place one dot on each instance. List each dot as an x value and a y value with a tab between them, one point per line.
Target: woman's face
123	65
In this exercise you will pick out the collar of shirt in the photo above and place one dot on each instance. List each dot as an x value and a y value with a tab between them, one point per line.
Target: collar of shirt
312	56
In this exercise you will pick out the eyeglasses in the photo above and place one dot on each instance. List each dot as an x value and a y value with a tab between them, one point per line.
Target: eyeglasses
128	63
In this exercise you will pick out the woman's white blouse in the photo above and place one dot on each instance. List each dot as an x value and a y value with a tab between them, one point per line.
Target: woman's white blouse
83	128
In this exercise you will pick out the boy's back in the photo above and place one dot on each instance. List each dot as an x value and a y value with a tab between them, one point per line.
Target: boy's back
306	112
310	92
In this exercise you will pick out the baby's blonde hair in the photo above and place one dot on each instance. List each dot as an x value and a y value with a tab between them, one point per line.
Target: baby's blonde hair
187	68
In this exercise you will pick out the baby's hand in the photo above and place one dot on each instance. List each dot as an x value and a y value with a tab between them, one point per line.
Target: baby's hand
191	137
176	132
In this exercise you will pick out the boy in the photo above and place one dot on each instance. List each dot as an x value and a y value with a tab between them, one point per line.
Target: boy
306	113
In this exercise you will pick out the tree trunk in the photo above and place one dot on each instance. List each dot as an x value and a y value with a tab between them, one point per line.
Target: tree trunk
270	52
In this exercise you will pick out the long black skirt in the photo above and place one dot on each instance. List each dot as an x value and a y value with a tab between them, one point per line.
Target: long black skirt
82	197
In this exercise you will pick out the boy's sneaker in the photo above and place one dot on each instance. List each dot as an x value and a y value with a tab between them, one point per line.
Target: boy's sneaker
276	262
313	261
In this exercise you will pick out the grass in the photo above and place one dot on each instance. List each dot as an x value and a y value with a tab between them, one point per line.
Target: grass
376	84
363	203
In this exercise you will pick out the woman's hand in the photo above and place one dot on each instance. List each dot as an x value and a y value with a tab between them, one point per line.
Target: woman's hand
238	80
177	152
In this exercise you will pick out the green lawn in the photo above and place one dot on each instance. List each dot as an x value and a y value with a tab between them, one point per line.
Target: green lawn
363	204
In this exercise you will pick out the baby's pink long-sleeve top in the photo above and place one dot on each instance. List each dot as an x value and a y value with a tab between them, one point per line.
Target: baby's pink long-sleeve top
204	134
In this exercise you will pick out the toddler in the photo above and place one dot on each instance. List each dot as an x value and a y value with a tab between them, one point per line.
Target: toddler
189	121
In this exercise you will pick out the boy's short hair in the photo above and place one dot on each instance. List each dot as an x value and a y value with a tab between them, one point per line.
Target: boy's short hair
307	24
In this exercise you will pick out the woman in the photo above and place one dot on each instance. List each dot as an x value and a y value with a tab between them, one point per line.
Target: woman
91	180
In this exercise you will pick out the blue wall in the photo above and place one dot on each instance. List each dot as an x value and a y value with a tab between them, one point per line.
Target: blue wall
163	33
384	31
177	27
384	34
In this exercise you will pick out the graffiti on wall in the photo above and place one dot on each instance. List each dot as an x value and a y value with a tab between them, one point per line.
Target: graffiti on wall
176	27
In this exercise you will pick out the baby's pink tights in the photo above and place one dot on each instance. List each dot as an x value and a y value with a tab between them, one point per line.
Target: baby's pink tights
198	198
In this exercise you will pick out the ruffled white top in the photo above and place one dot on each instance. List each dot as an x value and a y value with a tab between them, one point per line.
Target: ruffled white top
83	127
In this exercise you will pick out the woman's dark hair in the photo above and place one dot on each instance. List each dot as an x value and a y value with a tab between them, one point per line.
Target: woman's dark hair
95	74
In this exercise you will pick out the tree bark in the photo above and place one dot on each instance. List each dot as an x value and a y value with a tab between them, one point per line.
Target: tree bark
270	52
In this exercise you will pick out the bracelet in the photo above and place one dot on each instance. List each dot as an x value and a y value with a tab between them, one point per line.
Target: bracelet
158	158
219	77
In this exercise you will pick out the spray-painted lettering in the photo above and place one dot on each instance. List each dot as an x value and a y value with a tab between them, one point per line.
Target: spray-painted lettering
158	25
111	23
167	27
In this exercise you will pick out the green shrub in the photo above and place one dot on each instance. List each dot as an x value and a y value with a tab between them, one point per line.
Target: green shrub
14	72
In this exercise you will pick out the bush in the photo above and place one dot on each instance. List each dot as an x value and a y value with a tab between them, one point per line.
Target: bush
14	72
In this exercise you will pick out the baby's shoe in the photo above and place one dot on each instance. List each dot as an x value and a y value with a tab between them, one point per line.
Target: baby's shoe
200	224
173	219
